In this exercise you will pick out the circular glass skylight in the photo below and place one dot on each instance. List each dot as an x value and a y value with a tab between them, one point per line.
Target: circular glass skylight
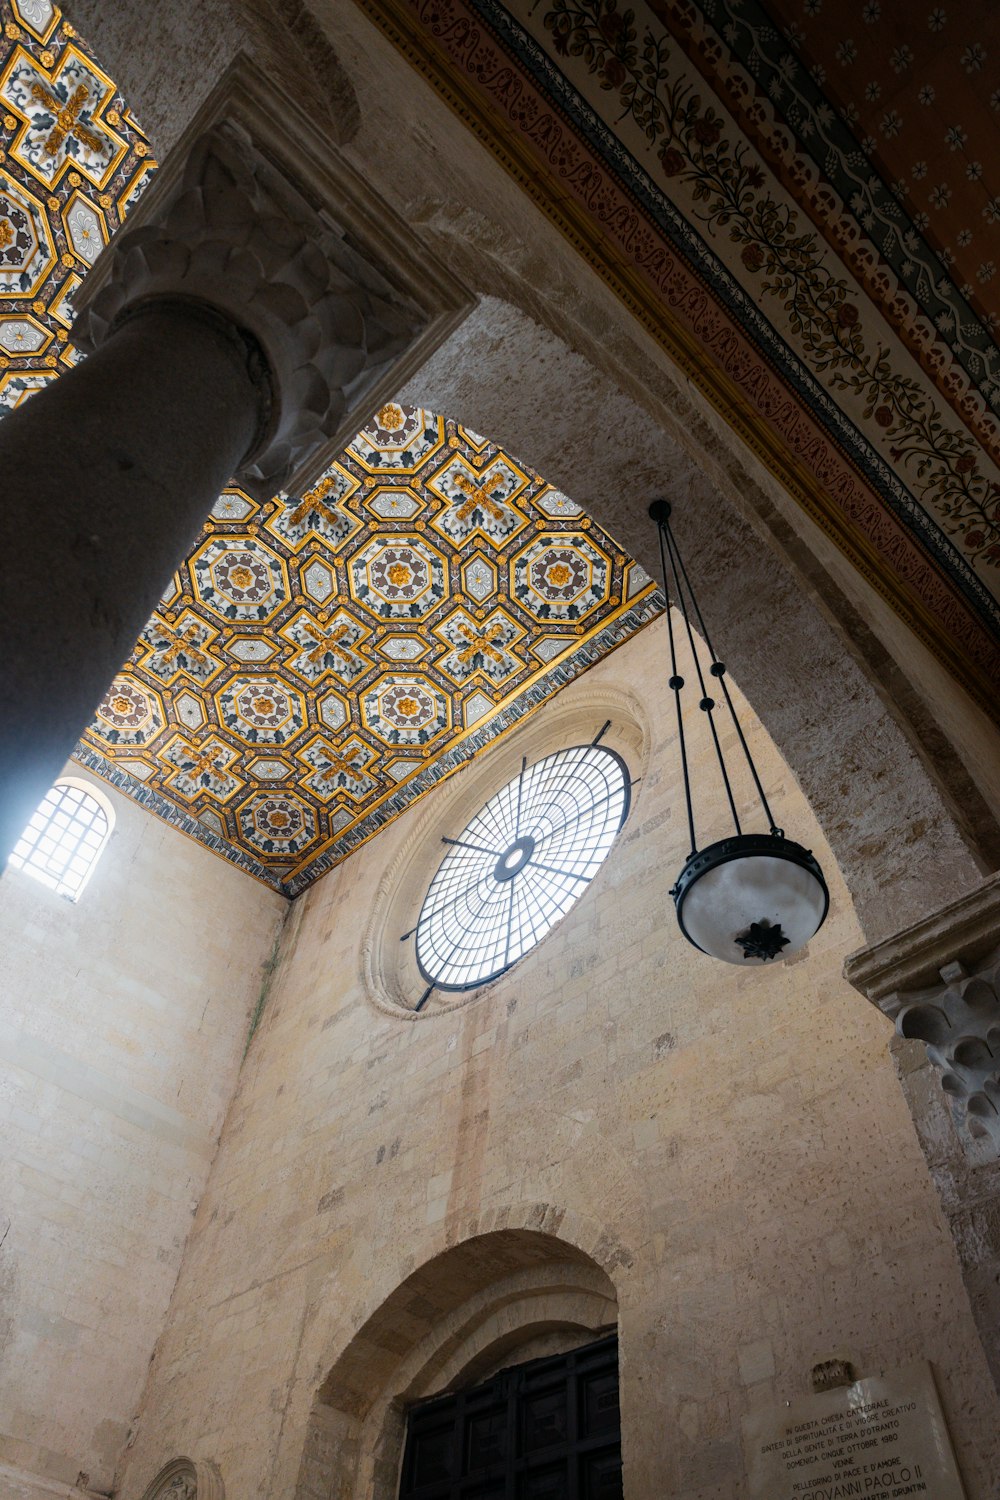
520	865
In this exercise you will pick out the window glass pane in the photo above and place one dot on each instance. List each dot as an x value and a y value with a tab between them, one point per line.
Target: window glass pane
63	839
520	864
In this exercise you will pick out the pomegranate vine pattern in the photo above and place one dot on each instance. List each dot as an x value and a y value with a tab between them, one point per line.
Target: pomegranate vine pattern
731	197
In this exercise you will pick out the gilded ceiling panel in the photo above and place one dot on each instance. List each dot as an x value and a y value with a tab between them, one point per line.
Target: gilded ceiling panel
320	660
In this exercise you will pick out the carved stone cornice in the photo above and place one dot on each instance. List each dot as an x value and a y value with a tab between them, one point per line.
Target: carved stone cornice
939	981
256	220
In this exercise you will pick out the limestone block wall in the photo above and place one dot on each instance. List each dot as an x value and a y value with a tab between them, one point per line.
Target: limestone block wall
728	1150
122	1022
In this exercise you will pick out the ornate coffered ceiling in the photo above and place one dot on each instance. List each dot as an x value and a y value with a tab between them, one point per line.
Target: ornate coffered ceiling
320	660
800	202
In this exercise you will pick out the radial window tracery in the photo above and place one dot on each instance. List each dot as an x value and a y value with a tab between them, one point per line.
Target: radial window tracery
520	864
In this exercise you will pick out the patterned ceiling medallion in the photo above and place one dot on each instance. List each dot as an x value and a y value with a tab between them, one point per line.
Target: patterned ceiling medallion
552	646
252	649
261	710
400	579
399	770
270	770
479	578
393	505
561	578
189	710
405	710
238	578
318	581
404	648
400	438
27	253
129	714
86	229
279	824
23	336
333	711
40	16
233	505
557	507
318	514
140	769
477	706
479	503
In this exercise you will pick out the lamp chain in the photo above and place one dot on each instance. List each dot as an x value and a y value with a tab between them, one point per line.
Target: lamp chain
660	511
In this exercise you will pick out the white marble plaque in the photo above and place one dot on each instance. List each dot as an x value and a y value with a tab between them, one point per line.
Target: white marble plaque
883	1438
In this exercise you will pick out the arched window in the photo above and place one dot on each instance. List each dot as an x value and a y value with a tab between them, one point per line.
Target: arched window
63	841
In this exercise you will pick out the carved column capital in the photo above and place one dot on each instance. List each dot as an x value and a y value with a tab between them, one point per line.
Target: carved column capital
235	239
255	220
939	981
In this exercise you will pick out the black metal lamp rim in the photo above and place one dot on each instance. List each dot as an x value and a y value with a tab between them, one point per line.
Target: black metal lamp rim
739	846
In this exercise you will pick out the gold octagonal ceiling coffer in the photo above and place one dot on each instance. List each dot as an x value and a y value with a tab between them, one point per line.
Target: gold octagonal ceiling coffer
129	714
398	438
561	577
239	579
261	710
405	710
27	253
277	825
398	578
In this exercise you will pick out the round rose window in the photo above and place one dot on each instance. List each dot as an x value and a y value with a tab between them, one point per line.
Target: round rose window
519	865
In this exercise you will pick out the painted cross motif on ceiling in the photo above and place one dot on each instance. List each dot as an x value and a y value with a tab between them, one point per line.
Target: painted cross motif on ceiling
60	105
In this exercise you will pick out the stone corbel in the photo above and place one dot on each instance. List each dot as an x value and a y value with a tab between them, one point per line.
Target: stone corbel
256	221
939	982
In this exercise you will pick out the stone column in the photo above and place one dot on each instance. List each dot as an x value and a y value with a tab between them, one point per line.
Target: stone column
939	983
232	332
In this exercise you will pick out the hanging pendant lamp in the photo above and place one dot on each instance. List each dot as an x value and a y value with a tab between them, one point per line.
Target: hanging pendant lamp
752	897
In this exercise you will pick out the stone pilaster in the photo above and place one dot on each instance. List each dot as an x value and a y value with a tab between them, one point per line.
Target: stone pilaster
938	981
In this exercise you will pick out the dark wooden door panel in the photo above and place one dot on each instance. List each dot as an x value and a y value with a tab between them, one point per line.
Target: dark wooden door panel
548	1430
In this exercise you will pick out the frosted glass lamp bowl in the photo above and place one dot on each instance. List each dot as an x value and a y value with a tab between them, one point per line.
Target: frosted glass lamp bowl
751	898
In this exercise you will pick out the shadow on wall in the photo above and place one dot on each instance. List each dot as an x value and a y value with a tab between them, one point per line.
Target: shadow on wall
490	1301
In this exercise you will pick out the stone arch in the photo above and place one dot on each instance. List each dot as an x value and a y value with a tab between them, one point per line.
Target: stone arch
824	701
488	1299
186	1479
